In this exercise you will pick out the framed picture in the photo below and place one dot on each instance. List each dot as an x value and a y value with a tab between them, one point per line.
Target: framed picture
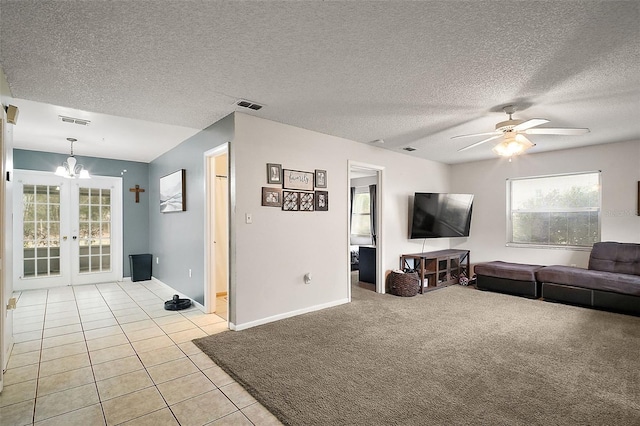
321	178
290	201
306	201
274	173
172	192
322	201
294	179
638	198
271	197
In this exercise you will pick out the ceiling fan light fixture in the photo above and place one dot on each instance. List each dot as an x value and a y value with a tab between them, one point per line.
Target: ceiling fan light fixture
512	145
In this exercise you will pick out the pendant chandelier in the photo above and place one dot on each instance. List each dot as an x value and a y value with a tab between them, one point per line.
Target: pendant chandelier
70	169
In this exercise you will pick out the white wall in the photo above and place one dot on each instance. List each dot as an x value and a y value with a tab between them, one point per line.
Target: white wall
274	252
620	166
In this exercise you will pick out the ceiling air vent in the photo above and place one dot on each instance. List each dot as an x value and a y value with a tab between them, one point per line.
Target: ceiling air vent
248	104
409	148
72	120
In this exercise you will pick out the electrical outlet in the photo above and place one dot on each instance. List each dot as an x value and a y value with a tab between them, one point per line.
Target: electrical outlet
157	260
189	273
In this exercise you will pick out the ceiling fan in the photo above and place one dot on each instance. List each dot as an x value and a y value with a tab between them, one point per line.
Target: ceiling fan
513	132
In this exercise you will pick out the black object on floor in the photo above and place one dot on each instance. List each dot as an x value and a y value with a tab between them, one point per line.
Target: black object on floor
177	304
140	265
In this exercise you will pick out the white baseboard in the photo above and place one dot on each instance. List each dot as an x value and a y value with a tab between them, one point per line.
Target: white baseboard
250	324
173	290
238	327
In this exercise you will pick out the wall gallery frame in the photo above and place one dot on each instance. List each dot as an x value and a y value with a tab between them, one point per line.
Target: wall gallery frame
271	197
306	201
297	191
290	201
274	173
295	179
321	178
322	201
638	198
173	192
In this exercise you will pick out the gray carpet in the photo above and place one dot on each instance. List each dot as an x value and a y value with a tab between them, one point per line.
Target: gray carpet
452	356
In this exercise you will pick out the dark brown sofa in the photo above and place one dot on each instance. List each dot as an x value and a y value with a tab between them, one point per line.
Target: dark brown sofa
612	280
512	278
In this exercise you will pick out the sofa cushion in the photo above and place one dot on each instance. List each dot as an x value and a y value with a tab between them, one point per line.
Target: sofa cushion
586	278
623	258
511	271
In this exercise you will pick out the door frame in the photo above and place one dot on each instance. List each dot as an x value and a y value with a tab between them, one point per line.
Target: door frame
6	263
117	248
209	226
380	231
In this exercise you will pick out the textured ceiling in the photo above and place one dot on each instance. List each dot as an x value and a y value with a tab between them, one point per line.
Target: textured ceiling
410	73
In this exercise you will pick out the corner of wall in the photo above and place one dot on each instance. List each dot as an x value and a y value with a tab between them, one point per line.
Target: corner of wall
5	90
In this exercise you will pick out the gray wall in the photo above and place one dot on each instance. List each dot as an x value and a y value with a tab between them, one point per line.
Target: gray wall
135	219
177	239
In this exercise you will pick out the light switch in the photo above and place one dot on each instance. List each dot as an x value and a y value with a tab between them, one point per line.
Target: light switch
248	218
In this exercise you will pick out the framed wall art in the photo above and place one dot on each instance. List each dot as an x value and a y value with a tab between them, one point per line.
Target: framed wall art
306	201
274	173
271	197
321	178
322	201
290	201
172	192
295	179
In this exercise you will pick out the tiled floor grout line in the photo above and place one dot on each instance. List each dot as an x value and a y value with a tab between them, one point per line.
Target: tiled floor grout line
35	397
84	336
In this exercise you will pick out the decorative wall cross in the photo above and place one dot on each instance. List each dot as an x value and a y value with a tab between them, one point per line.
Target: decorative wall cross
137	190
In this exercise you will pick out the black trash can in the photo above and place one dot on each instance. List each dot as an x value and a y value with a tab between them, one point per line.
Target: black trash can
140	267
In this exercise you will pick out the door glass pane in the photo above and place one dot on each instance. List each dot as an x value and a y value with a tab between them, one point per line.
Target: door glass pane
54	265
83	230
94	230
84	196
84	264
41	230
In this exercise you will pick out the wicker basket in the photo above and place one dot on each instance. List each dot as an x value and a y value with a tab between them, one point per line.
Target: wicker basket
406	284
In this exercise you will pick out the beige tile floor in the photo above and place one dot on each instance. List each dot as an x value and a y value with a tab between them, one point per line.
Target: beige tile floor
110	354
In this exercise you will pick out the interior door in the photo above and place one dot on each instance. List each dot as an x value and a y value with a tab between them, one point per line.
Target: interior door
96	248
66	231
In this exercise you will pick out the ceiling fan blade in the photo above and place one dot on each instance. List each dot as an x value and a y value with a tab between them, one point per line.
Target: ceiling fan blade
522	138
557	131
495	132
529	124
480	143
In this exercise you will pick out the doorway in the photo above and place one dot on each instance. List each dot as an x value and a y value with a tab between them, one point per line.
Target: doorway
66	231
217	241
365	226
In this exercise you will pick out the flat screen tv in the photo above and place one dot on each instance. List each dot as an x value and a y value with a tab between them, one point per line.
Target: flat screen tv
441	215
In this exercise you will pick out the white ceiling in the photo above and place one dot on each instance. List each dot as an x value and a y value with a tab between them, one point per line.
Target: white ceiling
410	73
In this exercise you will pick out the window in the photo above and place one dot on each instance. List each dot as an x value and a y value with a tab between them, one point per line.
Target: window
554	211
361	216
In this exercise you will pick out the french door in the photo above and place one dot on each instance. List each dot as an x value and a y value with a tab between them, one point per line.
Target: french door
66	231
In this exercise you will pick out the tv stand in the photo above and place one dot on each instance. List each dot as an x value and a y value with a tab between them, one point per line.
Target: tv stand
439	268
